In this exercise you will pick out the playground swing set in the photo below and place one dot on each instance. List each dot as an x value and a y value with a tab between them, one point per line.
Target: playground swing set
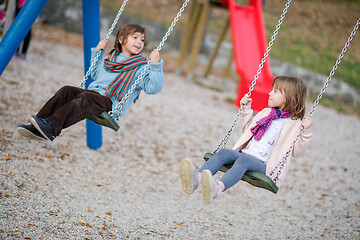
106	118
23	23
255	178
248	25
245	21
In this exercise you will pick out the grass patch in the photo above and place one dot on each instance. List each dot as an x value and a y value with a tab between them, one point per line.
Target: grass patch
313	35
338	106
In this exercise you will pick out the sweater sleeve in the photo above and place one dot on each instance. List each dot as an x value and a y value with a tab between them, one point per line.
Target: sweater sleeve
152	82
98	65
246	118
301	143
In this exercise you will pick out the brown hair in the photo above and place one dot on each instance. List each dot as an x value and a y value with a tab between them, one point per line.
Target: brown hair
126	31
294	90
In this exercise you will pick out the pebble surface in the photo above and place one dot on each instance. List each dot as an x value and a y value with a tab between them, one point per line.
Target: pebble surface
130	189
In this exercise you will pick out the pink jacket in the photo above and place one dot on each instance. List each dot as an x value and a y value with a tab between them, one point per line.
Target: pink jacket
287	136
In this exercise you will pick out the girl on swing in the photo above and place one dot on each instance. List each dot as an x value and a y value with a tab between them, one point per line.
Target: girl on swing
265	140
112	77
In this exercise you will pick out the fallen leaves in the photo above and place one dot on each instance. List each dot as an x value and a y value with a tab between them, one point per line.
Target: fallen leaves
84	223
6	194
6	156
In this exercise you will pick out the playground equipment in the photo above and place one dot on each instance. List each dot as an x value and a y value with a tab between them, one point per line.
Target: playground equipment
254	178
194	34
91	36
249	42
258	179
106	119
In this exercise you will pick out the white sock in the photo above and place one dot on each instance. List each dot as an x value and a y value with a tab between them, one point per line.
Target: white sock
219	191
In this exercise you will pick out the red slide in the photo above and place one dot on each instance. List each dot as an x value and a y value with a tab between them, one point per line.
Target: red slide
249	46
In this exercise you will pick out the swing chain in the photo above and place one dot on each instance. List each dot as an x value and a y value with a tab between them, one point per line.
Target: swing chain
93	63
356	27
251	88
120	106
280	166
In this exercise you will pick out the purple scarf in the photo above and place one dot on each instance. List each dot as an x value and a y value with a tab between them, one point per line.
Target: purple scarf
259	129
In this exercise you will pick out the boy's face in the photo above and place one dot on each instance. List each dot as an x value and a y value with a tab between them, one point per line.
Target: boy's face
134	44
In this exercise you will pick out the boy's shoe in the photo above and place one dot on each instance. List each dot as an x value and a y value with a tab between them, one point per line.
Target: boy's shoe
29	131
44	127
189	176
210	186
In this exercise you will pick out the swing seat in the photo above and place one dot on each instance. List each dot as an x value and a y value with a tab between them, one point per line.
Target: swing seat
254	178
105	120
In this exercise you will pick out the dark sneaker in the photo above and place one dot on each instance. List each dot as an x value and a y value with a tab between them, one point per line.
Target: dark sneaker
44	127
29	131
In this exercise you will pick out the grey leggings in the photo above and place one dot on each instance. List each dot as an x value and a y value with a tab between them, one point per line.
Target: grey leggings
242	163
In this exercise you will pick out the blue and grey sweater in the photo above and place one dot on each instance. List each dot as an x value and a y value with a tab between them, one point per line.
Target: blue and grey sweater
151	83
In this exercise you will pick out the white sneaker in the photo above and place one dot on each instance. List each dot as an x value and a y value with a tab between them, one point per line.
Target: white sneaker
210	186
189	176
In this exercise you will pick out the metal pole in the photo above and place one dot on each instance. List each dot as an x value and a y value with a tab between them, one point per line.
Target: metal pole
18	30
91	37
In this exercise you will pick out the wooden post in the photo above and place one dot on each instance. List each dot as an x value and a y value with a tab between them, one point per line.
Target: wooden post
218	45
198	38
189	31
227	70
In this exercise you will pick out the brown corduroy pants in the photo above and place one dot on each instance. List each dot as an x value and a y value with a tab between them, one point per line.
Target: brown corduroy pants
70	105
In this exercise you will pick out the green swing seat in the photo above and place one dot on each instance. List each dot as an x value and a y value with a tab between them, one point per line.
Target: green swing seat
254	178
105	120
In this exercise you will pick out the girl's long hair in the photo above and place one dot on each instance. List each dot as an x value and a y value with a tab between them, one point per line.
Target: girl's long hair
126	31
294	90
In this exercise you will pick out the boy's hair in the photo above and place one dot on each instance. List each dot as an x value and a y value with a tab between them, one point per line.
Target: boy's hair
294	90
126	31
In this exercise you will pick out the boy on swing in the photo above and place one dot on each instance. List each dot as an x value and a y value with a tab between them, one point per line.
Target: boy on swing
112	77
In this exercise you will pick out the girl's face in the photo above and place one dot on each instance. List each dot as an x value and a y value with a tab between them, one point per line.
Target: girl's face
276	99
134	44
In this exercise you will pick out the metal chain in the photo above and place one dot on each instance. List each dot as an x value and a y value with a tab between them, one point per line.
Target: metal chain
280	166
94	61
261	65
120	106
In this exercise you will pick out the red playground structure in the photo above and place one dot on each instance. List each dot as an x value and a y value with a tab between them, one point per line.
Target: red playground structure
249	46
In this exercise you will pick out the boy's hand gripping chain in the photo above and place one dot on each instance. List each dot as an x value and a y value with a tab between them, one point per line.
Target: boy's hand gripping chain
120	106
92	65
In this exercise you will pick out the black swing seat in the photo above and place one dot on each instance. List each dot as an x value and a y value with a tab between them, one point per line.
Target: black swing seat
105	120
254	178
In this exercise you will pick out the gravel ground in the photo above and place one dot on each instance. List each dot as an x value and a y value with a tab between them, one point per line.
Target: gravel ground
129	188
